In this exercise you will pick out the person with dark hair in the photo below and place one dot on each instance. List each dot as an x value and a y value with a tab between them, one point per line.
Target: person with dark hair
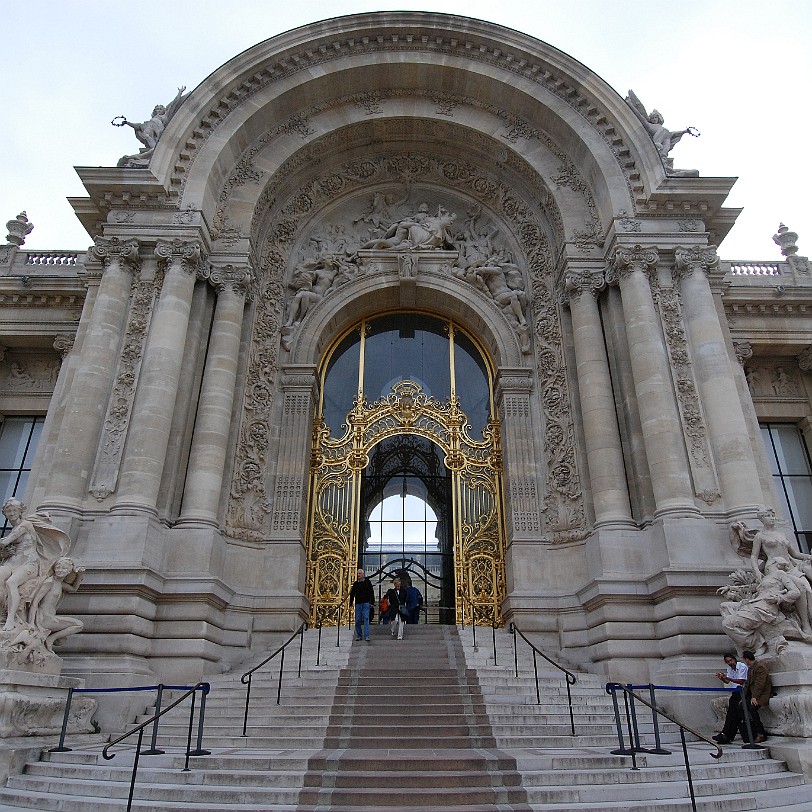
397	607
757	692
363	595
735	674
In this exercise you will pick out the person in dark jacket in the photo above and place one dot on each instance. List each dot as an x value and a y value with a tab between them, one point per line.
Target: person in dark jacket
397	607
757	692
363	596
414	600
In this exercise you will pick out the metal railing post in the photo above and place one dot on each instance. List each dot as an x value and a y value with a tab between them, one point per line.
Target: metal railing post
189	734
515	652
633	748
247	700
688	768
658	748
60	748
536	675
493	633
153	749
569	702
199	751
611	688
301	647
279	683
135	770
751	743
318	646
633	716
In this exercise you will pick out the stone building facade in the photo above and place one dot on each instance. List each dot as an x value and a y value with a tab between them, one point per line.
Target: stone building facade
402	164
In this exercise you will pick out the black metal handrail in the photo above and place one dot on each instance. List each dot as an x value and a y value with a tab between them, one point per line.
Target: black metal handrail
204	689
569	677
629	697
494	625
245	679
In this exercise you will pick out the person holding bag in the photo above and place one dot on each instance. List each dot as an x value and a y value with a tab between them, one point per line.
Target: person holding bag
398	614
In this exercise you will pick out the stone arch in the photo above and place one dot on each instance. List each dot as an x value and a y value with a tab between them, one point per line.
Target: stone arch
437	294
531	86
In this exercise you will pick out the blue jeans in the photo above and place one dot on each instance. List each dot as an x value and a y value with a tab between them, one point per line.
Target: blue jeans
362	620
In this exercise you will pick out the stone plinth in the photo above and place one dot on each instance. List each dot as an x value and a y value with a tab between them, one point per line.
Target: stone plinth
790	710
32	702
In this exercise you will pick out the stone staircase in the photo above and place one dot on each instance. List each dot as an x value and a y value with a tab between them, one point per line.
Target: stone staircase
424	723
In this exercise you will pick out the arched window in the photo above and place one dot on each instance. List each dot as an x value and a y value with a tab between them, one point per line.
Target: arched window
433	353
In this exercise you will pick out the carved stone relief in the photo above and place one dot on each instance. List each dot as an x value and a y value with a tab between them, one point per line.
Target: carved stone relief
774	379
28	372
326	252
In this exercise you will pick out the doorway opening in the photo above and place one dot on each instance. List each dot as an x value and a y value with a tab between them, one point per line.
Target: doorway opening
406	520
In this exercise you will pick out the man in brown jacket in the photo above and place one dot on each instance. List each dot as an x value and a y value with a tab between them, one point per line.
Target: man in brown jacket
757	692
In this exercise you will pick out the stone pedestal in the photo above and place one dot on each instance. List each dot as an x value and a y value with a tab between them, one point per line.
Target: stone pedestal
790	710
33	695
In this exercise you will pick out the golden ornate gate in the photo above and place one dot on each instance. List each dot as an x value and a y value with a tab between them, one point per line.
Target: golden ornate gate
334	521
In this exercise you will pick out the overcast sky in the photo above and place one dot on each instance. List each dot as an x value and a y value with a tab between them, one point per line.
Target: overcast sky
738	70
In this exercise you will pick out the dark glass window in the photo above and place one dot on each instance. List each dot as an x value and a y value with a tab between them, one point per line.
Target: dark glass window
792	476
406	346
471	377
341	382
19	437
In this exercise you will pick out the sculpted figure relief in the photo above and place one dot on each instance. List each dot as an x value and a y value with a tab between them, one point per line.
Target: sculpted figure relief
758	613
421	231
33	576
664	139
149	132
787	574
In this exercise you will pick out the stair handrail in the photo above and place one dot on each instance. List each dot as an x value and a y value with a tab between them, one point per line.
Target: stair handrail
569	677
494	624
629	697
204	688
245	679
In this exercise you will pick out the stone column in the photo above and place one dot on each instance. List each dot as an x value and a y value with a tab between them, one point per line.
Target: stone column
727	428
148	436
79	434
662	429
207	458
610	493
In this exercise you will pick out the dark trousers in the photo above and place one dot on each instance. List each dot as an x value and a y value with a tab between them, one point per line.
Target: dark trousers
756	725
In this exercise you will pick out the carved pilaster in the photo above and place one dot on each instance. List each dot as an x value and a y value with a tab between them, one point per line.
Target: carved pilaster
523	518
290	486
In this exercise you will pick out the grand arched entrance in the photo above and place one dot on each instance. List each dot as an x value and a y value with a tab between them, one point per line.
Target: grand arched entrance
407	402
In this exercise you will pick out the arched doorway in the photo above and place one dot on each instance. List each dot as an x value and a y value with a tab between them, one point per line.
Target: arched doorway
407	521
391	378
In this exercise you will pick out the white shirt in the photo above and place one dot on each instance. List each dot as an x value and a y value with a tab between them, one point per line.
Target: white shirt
737	672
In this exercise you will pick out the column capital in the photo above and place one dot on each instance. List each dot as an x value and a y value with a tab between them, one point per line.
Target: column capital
743	350
63	344
298	376
630	258
187	253
108	249
238	279
513	381
576	283
695	258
